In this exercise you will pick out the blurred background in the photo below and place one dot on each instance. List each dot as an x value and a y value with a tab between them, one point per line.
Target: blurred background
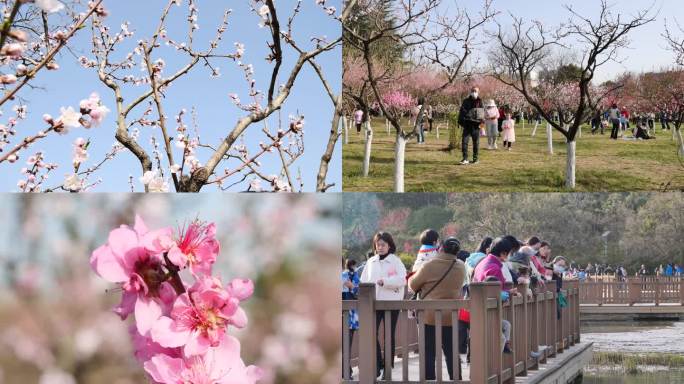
56	323
628	229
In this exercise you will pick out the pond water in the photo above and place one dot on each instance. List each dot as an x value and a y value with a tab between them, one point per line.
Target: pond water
664	337
636	337
671	377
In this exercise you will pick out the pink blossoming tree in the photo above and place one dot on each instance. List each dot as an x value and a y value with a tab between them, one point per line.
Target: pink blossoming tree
440	44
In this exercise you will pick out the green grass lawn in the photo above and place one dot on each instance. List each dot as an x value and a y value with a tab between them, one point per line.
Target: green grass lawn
602	164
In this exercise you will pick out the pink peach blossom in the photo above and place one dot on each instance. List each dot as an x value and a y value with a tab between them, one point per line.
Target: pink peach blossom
199	318
125	261
220	365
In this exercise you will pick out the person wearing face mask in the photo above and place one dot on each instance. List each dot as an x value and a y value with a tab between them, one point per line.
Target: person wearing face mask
490	269
470	116
388	273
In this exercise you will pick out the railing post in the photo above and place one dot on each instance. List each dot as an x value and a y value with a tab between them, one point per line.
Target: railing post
656	286
634	290
479	355
681	291
600	292
367	333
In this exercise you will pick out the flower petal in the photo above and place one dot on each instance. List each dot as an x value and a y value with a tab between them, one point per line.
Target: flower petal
107	265
167	335
241	288
177	257
147	311
197	345
239	318
140	227
164	369
127	304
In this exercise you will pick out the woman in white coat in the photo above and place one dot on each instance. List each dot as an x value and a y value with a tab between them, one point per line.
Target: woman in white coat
388	273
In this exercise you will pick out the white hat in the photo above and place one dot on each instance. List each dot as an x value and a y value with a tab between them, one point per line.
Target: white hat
491	103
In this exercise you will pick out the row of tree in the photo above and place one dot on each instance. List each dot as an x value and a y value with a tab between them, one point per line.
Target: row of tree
397	52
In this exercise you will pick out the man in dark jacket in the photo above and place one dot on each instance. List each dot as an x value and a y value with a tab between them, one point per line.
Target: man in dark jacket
470	116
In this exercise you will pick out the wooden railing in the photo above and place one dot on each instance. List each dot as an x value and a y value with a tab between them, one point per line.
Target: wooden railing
535	327
634	290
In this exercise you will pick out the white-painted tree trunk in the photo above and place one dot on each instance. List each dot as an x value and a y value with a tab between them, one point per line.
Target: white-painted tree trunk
534	130
399	155
549	137
388	126
437	133
580	131
678	133
570	166
345	124
367	150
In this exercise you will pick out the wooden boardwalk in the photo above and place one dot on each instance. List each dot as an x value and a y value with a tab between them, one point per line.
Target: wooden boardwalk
562	368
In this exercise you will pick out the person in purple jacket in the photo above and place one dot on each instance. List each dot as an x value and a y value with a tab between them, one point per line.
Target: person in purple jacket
489	269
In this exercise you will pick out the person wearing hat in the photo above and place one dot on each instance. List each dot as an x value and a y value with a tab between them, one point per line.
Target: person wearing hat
491	123
440	278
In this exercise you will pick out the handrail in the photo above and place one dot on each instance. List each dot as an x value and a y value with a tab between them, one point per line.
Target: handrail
532	316
653	290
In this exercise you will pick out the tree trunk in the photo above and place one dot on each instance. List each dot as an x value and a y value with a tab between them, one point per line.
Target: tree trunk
321	185
367	149
399	154
534	130
570	166
549	137
345	123
681	142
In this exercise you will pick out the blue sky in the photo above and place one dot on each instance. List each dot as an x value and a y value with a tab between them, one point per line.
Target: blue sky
216	114
647	50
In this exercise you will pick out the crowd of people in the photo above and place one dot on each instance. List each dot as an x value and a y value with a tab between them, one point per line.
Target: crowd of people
444	271
620	273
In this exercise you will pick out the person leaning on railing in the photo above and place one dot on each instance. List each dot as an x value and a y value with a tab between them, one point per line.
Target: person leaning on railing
490	269
440	278
388	273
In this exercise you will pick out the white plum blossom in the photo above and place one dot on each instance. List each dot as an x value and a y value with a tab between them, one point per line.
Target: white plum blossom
73	183
69	119
80	153
154	181
255	185
13	50
50	6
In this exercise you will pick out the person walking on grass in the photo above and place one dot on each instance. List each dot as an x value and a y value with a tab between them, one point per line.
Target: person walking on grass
388	273
508	127
358	119
614	114
470	116
420	113
491	124
440	278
